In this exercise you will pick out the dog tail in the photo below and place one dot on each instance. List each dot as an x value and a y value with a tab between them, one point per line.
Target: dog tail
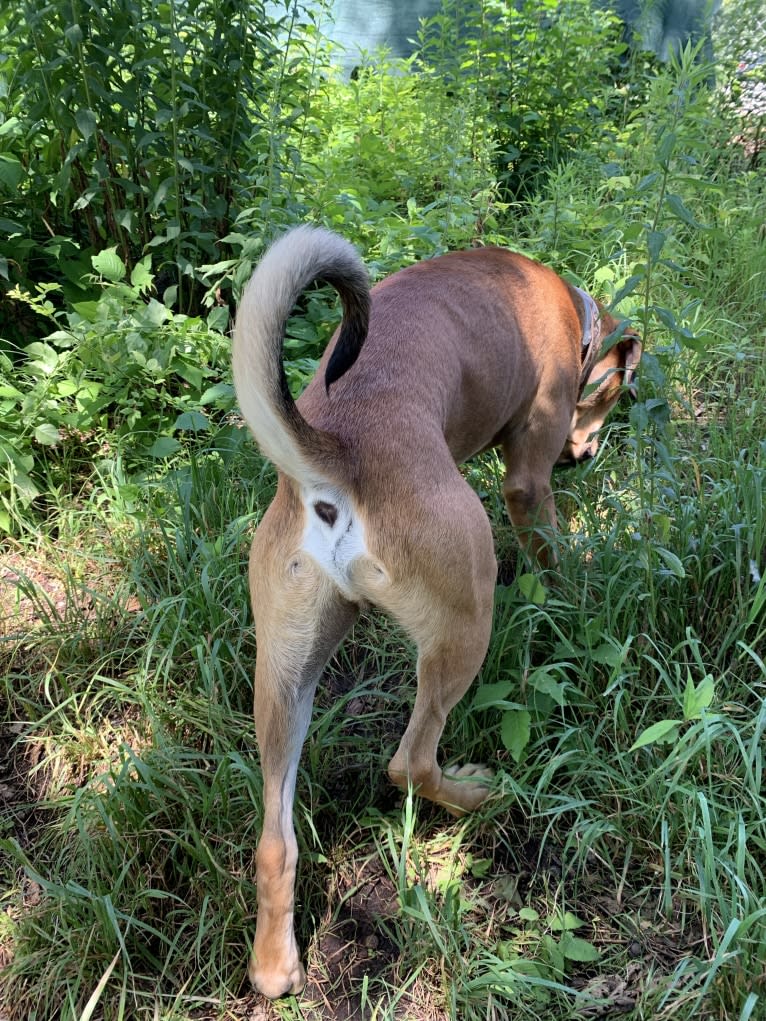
295	261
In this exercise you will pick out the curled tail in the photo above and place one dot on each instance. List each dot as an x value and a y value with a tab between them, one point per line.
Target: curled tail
298	259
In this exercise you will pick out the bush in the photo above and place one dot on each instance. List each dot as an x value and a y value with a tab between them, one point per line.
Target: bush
138	126
120	373
538	76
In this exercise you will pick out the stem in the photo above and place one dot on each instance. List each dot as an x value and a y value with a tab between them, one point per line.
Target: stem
642	443
308	100
275	108
229	161
176	175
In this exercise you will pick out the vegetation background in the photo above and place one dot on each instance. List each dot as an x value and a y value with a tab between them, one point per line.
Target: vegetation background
148	153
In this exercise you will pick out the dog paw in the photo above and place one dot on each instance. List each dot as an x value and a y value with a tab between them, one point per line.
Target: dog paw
464	788
275	981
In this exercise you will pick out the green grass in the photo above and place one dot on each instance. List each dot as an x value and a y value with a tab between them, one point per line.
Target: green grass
135	827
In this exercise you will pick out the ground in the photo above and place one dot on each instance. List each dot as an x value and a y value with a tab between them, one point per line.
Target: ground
359	936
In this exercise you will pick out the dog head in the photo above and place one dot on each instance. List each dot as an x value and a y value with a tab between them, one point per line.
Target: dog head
613	370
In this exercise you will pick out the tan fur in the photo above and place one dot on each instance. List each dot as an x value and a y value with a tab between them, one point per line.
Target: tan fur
463	353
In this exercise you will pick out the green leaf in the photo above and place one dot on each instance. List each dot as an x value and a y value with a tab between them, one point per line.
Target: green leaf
554	955
43	359
627	288
47	434
532	589
159	197
671	562
608	655
663	730
109	265
529	914
86	122
9	455
63	338
647	182
87	310
218	319
515	730
154	314
688	339
10	227
655	240
566	922
677	207
220	391
24	487
191	373
542	680
662	525
666	147
490	694
192	421
666	317
12	172
698	698
164	447
74	34
576	949
141	278
66	388
12	126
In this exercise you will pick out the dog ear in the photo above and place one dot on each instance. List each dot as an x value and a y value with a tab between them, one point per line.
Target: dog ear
630	349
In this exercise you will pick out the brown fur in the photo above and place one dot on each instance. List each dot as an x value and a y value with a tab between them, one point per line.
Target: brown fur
465	352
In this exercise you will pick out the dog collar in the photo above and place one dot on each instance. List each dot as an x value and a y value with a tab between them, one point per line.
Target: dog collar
590	329
590	334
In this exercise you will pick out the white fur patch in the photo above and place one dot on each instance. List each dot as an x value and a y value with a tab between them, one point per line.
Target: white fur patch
335	547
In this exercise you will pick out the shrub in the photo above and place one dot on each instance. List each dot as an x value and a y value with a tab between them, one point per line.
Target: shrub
141	126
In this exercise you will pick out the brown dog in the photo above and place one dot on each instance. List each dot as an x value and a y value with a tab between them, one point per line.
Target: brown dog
444	359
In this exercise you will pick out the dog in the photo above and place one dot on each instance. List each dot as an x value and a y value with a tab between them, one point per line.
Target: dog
443	359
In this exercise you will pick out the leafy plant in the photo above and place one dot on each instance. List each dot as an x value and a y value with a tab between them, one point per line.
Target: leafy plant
139	126
123	365
533	76
697	698
553	940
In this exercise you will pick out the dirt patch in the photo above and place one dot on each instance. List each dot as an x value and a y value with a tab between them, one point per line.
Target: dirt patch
26	583
22	820
20	788
352	943
43	601
36	591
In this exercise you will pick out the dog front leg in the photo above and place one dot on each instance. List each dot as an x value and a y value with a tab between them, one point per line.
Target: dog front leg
527	491
532	511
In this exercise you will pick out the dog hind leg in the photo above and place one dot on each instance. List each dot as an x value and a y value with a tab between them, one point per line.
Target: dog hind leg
450	618
275	966
300	619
